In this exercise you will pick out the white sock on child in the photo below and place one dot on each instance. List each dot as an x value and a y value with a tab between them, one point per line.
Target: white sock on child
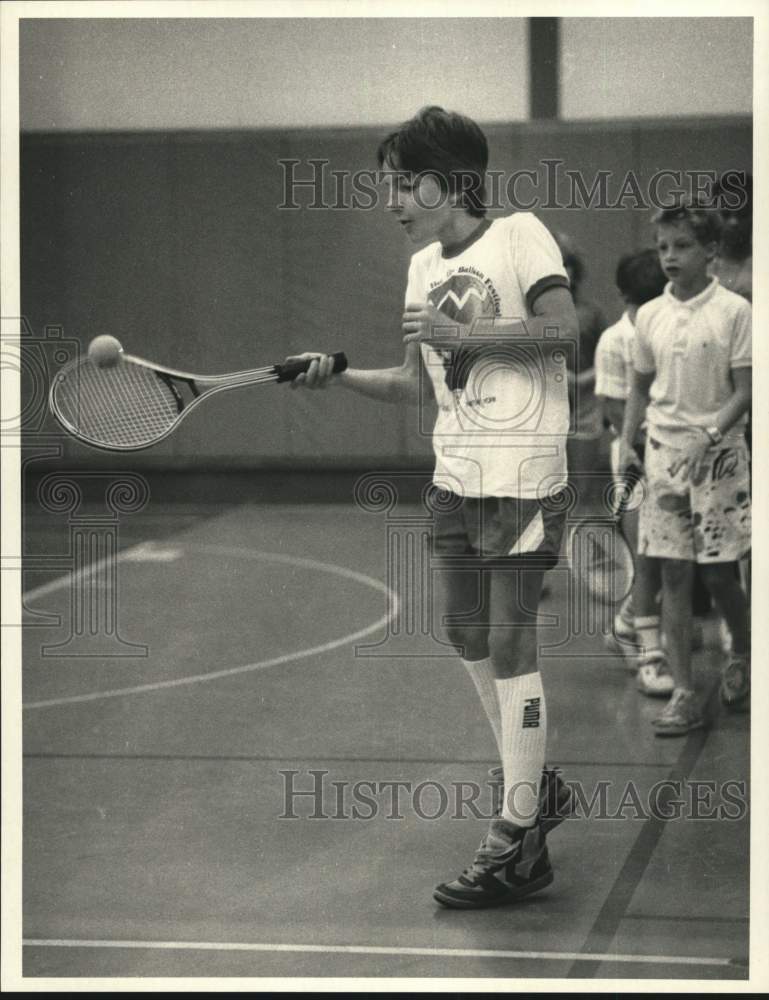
484	678
524	733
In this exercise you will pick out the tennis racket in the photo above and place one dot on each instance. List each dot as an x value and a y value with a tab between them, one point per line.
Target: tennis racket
131	404
599	554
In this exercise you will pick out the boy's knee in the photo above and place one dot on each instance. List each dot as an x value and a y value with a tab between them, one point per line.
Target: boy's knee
470	643
512	650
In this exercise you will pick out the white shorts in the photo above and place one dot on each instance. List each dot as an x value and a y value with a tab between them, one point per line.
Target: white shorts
707	521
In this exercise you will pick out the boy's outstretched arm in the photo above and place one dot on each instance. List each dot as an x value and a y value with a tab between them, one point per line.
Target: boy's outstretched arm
390	385
635	410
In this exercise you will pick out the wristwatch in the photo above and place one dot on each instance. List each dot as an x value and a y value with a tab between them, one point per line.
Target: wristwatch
714	434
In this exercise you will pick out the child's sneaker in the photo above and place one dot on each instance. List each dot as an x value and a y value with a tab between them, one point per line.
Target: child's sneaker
555	797
511	863
654	677
735	684
681	714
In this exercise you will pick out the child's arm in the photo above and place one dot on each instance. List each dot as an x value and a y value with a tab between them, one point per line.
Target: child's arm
613	411
612	375
635	410
740	400
391	385
737	404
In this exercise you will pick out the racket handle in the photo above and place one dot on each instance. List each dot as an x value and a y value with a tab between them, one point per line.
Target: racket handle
289	371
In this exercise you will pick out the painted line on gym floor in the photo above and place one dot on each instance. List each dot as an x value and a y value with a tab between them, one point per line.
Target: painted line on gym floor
238	553
70	578
363	949
322	759
615	906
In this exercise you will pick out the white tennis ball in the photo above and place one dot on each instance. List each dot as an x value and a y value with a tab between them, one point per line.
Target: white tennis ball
105	351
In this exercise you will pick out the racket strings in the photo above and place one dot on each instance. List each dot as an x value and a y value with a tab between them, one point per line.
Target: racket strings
123	406
602	560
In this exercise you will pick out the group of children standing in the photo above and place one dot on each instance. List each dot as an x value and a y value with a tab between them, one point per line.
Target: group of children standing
674	375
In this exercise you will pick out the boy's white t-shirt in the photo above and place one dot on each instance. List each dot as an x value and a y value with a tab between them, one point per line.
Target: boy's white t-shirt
692	347
503	408
614	360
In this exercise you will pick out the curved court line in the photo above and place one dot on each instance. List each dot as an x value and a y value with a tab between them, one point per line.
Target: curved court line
372	949
239	553
71	578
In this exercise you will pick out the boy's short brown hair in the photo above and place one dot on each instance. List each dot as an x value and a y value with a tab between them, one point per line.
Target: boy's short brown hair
447	145
705	223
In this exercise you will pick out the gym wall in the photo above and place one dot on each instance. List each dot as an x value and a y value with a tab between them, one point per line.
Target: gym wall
174	243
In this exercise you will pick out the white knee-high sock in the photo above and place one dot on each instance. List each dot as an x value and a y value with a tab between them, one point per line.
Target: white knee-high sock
524	733
484	678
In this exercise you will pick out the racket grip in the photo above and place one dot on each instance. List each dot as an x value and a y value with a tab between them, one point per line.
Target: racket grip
289	371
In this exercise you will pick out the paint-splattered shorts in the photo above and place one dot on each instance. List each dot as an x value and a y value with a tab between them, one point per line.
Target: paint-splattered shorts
705	521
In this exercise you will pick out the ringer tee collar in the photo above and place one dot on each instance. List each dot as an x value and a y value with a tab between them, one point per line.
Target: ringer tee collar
696	301
457	248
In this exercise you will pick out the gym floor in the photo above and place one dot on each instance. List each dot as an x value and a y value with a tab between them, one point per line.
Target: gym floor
255	640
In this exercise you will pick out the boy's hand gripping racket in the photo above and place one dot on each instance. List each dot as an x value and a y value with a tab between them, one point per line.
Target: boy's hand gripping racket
115	401
598	551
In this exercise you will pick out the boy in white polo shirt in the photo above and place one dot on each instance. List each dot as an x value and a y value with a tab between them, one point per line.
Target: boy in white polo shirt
692	361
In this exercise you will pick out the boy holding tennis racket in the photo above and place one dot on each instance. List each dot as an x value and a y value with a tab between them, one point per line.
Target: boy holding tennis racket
500	448
692	369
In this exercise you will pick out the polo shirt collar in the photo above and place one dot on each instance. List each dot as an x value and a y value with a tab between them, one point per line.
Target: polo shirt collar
704	296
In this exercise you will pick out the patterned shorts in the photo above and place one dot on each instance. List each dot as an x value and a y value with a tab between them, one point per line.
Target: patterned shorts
704	521
500	529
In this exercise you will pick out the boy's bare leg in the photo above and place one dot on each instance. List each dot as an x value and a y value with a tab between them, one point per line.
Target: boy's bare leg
654	677
677	580
648	580
646	587
464	615
731	601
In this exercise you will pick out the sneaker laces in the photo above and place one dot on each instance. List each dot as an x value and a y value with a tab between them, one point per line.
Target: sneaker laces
494	852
